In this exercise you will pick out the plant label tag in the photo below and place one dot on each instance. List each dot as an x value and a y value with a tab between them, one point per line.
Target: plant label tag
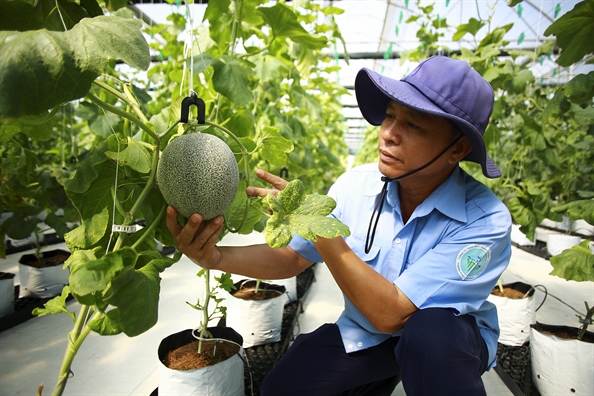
122	228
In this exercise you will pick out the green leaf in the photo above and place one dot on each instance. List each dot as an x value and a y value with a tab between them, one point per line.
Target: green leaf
232	79
10	127
241	124
270	68
236	216
289	199
138	301
533	132
98	195
575	264
89	232
273	147
284	23
135	156
91	276
580	89
574	32
92	8
203	61
296	213
20	225
576	210
584	116
522	216
332	10
108	324
100	122
225	282
41	69
56	305
162	263
519	82
472	27
82	178
57	224
307	102
556	107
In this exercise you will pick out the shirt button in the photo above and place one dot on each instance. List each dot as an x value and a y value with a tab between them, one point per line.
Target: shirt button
350	346
398	241
360	344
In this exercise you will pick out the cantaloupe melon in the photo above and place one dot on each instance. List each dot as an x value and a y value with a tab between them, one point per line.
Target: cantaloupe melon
197	173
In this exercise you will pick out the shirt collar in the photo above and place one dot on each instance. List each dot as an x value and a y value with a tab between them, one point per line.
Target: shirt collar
375	187
450	197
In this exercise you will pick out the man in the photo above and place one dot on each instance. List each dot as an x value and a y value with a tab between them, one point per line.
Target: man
428	243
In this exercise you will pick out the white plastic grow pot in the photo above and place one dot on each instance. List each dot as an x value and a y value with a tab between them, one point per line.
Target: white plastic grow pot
6	293
556	243
223	379
515	315
561	366
258	322
290	285
44	282
519	237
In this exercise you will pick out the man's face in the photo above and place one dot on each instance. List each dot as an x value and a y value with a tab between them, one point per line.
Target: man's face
409	139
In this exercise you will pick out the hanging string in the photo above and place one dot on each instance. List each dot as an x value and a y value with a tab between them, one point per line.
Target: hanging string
60	14
63	137
115	189
189	51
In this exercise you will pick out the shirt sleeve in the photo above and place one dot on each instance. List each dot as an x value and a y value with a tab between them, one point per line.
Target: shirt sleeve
461	270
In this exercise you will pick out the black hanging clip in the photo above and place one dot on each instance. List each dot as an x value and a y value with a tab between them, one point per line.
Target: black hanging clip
193	99
284	173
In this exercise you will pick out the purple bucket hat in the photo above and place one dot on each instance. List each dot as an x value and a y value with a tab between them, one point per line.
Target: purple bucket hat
441	86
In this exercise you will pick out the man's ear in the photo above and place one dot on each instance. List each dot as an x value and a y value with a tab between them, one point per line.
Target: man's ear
461	150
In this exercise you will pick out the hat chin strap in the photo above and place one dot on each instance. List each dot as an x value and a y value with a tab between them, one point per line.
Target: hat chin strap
377	210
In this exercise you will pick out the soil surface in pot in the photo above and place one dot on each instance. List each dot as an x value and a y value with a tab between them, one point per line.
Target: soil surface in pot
187	357
6	275
249	293
47	261
507	292
569	335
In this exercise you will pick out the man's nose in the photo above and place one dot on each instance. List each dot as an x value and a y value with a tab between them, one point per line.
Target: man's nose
392	132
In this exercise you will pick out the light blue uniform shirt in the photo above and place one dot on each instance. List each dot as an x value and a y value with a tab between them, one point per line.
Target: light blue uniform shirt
449	254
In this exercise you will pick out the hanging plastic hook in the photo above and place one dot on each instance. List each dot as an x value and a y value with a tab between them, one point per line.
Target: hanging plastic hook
193	99
284	173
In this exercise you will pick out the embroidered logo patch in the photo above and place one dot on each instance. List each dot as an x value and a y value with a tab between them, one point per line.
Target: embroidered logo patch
472	261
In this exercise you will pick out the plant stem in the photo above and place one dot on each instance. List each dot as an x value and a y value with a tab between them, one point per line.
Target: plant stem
500	284
150	228
169	129
147	187
135	105
40	120
125	114
205	318
75	340
128	98
586	321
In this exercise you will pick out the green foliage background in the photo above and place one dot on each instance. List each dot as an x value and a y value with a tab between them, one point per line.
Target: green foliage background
81	133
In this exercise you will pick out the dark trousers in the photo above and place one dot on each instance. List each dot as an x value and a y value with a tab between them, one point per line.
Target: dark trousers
438	353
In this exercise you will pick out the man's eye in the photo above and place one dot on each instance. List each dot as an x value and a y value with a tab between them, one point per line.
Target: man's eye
389	116
411	125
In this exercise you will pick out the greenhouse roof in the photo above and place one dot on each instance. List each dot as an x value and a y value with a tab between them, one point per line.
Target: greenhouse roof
376	32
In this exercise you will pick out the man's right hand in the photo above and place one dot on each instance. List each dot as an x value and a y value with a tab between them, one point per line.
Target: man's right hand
197	239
